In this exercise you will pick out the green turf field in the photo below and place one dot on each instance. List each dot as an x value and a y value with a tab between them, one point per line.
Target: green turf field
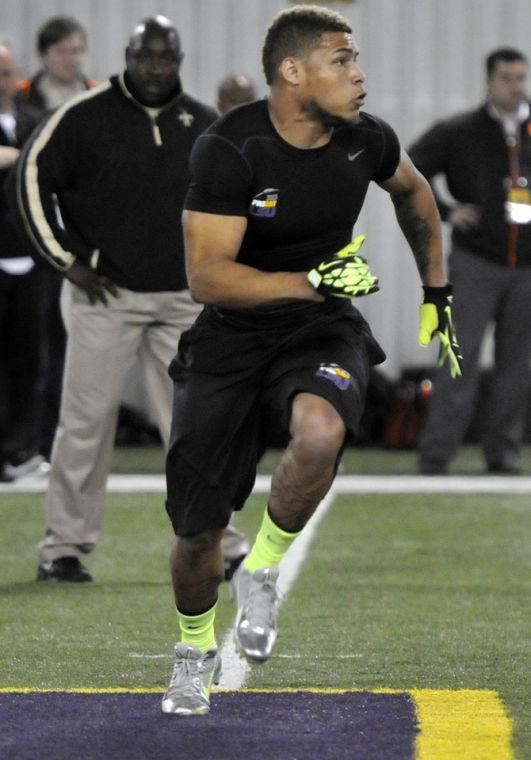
355	461
410	591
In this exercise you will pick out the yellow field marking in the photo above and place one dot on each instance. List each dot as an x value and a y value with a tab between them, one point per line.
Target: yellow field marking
455	725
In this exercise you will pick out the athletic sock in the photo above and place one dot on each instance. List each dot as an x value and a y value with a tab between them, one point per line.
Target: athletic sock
270	545
198	630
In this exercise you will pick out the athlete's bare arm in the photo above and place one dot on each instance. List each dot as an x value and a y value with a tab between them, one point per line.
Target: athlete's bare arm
419	219
212	242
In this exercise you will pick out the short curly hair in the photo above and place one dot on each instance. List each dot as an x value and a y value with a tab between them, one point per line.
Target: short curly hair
295	31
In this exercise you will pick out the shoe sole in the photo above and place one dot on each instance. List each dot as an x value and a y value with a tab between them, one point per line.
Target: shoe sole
184	713
250	657
43	578
64	580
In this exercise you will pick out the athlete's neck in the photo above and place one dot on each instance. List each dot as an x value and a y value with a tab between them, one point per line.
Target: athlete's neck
296	127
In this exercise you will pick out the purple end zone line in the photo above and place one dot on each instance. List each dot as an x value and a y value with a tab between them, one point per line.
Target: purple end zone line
241	726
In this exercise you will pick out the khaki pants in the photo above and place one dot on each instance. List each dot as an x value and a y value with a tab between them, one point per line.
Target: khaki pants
103	344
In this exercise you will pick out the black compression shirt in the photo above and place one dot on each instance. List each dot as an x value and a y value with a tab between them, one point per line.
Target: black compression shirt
301	205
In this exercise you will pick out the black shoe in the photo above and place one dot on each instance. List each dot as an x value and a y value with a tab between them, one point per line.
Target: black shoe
63	569
4	477
504	468
433	468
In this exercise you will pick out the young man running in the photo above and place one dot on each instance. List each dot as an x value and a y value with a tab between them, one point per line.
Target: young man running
277	186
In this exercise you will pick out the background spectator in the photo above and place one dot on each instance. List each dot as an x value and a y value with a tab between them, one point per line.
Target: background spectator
485	156
61	45
235	90
20	334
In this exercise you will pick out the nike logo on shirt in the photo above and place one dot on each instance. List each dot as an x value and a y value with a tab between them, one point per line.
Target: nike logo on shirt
352	156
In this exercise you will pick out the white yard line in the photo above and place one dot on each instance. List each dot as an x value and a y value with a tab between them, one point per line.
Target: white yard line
451	484
236	668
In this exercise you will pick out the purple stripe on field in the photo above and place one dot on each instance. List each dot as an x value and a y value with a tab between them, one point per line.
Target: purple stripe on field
240	726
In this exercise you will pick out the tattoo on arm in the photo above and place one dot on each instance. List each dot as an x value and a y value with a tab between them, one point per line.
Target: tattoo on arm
416	230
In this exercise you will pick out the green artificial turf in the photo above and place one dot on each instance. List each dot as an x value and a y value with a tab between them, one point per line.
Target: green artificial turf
398	591
118	631
356	461
414	591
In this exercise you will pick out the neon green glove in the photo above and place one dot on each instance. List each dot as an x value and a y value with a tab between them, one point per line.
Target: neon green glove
345	275
436	320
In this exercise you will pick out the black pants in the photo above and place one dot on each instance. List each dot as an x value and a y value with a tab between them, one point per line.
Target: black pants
54	348
232	381
20	359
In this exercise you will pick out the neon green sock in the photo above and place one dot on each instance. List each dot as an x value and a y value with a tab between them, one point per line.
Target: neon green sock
270	545
198	630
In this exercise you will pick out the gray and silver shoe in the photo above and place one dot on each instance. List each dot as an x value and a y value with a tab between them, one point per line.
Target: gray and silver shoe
193	674
258	598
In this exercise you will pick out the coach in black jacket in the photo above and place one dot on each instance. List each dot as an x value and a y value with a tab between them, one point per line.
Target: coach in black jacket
100	189
485	157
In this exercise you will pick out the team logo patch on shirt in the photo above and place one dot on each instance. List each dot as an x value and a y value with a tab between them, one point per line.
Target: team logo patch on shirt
265	203
336	374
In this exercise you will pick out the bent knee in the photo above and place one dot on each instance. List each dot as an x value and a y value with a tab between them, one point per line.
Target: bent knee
200	543
318	432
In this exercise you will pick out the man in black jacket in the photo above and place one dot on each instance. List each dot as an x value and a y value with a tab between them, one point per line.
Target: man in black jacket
100	190
485	157
20	334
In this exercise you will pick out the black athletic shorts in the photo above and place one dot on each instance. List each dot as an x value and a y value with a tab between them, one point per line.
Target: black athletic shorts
232	378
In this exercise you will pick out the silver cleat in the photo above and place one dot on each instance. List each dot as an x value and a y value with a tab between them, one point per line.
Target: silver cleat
193	674
258	598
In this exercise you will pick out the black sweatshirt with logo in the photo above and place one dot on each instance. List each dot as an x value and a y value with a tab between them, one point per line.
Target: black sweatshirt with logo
104	180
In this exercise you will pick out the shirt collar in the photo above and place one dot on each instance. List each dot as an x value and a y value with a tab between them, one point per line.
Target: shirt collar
510	126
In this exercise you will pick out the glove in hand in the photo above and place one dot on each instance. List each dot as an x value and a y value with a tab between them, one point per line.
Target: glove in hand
345	275
436	321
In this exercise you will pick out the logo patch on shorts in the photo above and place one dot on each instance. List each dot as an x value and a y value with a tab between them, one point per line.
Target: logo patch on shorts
265	203
339	376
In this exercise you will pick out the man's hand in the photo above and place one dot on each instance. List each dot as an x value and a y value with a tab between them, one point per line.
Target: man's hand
96	286
436	320
465	217
8	156
345	275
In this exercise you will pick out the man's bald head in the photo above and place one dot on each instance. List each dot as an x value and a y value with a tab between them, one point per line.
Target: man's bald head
235	90
153	59
155	27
